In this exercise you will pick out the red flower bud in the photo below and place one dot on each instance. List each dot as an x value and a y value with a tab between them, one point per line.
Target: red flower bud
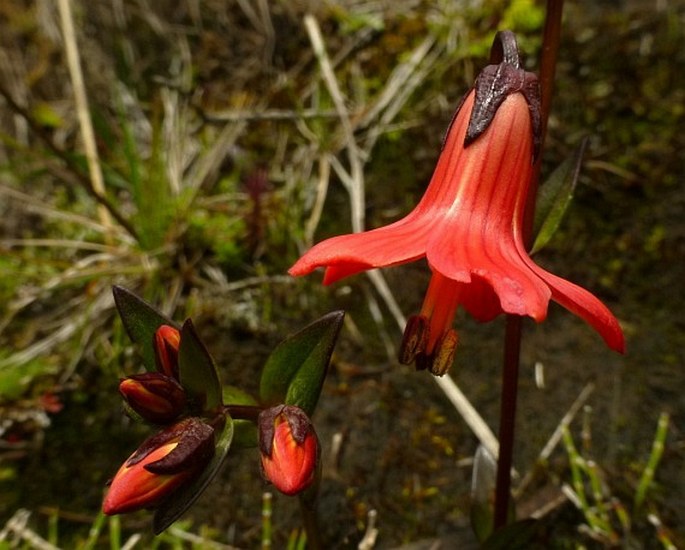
167	342
162	464
154	396
289	448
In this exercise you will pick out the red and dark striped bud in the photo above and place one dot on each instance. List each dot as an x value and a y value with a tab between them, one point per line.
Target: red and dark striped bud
162	464
167	342
155	396
289	448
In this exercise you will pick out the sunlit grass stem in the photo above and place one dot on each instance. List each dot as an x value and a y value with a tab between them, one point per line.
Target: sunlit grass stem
81	99
267	499
654	459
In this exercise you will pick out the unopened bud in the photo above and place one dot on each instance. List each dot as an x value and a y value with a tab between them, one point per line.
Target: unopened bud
162	464
289	448
167	342
154	396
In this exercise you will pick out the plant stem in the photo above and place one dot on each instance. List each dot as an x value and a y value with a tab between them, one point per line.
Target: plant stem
243	412
512	347
266	520
512	341
310	520
548	62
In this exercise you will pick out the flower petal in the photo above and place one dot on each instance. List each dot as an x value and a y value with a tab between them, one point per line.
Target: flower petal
402	241
349	254
586	306
480	300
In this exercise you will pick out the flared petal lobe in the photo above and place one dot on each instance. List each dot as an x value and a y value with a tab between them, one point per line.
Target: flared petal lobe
586	306
402	241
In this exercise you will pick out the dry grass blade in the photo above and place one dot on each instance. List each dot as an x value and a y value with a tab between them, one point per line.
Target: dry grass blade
17	528
405	78
38	206
319	200
555	438
210	161
79	317
81	98
355	185
58	243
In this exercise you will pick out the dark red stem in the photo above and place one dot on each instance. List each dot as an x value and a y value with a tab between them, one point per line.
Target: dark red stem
512	340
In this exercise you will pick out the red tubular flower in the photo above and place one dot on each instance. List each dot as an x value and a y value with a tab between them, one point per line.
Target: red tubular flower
469	226
154	396
162	464
167	342
289	448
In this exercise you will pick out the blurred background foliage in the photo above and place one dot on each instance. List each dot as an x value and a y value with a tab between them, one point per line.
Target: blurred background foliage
223	156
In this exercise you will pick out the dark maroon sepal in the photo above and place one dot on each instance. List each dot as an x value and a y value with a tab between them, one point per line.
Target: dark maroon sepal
195	447
297	419
497	81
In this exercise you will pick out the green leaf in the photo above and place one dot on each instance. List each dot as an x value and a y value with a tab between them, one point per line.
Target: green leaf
233	395
483	480
294	372
141	321
171	509
197	371
554	198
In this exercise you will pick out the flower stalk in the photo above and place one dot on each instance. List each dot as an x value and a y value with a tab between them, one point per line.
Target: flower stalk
514	323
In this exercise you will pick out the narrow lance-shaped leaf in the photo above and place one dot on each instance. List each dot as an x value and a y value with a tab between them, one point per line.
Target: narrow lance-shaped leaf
141	320
197	371
555	197
295	370
172	509
482	492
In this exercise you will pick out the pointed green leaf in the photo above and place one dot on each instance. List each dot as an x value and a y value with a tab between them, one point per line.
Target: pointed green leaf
483	480
554	198
197	371
171	509
141	320
294	372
